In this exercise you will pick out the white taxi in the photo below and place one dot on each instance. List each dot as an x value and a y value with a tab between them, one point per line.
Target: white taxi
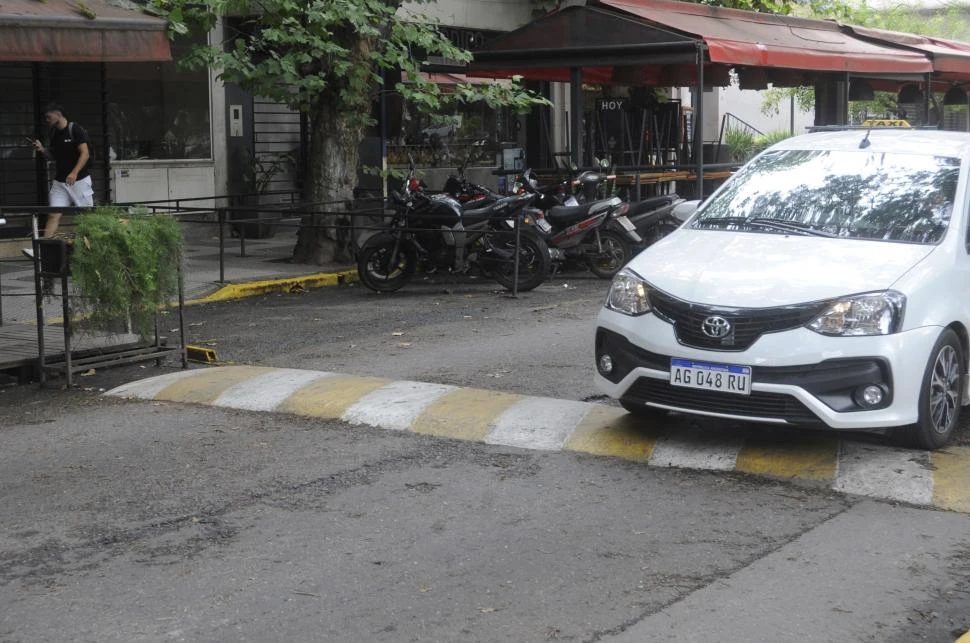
826	283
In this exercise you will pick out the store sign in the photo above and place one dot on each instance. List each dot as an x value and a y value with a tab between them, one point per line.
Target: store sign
611	104
468	39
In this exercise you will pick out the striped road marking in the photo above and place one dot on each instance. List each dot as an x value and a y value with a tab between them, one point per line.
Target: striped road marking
939	479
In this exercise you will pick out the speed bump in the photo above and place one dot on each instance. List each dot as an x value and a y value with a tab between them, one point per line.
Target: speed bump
938	479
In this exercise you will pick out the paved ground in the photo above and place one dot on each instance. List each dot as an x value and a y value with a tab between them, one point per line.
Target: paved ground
154	519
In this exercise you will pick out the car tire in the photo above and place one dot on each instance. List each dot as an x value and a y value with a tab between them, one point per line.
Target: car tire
642	411
941	396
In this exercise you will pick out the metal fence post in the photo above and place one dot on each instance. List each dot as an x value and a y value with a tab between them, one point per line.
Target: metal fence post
222	245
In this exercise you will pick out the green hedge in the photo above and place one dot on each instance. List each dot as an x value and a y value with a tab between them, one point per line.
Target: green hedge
125	266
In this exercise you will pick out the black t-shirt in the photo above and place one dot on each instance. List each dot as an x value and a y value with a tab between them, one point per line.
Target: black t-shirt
64	144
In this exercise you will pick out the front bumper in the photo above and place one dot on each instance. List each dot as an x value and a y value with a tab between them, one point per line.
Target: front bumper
798	376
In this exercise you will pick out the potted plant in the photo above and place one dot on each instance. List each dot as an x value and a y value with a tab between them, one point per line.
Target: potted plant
125	266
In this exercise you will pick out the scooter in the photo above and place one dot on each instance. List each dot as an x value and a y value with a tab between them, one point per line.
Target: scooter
595	233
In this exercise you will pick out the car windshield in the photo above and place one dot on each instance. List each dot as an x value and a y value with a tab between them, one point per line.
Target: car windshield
855	194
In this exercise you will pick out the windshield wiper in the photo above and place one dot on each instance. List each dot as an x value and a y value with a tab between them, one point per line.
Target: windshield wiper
795	227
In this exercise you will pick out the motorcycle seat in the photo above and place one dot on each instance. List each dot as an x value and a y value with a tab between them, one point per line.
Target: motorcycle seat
653	203
504	207
565	215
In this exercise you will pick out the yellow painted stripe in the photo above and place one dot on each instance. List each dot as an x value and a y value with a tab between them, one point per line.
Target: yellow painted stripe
465	414
790	455
951	479
330	397
209	383
964	639
286	284
607	430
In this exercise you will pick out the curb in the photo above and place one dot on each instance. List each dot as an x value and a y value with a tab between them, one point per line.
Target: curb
939	479
280	285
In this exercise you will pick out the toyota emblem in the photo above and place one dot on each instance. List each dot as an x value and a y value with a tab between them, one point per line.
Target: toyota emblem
716	327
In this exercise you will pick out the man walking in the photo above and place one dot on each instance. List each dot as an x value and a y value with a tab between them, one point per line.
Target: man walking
69	148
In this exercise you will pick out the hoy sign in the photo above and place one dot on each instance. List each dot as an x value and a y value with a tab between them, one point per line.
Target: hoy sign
611	104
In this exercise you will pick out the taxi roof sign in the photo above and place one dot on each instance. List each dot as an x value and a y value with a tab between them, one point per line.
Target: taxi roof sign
885	122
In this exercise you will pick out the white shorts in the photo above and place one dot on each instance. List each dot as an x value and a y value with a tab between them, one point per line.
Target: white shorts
81	194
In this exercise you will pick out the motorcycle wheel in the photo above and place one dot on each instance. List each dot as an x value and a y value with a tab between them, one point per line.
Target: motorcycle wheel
616	253
534	263
378	271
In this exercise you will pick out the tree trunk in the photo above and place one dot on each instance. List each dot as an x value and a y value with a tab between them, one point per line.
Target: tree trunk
325	233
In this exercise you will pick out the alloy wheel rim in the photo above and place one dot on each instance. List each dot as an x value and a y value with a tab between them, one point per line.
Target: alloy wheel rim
612	253
944	389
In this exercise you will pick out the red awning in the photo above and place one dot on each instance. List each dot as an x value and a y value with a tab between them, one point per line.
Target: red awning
747	38
950	58
449	78
61	31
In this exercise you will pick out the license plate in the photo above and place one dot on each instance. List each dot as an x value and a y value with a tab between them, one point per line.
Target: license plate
727	378
543	225
626	223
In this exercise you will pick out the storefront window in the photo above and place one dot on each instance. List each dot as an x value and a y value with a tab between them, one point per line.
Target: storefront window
472	131
157	111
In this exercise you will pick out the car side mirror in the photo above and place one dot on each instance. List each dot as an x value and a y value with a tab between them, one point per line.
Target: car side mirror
685	210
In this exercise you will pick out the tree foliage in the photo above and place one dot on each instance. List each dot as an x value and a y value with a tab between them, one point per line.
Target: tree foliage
328	58
298	51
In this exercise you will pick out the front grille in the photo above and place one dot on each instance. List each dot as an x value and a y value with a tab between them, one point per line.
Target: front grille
757	405
747	324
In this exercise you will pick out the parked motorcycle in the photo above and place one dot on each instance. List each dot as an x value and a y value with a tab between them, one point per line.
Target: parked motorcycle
652	217
434	232
595	233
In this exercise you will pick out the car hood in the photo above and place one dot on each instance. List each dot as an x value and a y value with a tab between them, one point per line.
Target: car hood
752	270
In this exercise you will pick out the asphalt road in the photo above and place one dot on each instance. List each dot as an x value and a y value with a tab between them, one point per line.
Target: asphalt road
163	521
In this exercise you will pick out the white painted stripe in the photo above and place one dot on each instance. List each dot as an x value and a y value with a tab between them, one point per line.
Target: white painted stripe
884	472
395	405
265	392
148	388
692	449
537	423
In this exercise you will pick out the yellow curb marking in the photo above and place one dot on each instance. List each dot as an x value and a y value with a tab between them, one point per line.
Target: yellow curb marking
209	383
287	284
951	481
465	414
964	639
790	456
611	431
330	397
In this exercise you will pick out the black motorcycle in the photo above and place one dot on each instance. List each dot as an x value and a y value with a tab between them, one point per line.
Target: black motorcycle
432	232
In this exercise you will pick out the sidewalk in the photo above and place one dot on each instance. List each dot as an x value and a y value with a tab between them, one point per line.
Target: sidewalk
264	268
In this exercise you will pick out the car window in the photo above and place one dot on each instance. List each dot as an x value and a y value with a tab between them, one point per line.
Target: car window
855	194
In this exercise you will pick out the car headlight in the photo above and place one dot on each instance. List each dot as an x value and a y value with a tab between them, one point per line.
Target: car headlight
628	294
879	313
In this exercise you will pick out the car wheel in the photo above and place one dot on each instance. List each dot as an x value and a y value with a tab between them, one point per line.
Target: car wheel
941	396
641	410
